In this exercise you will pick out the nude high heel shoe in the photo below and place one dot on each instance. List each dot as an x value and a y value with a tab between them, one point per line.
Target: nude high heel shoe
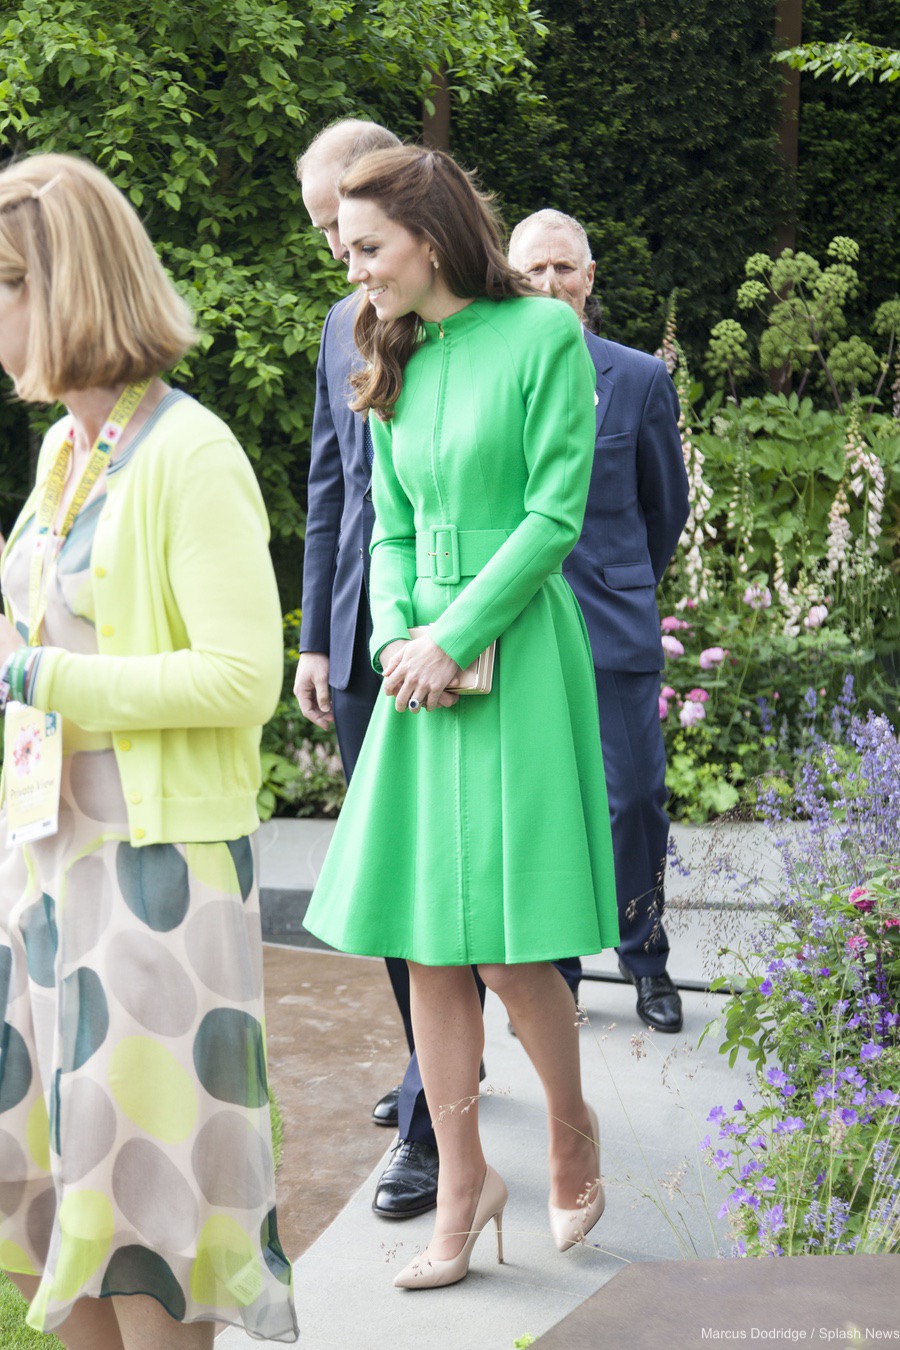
423	1273
569	1226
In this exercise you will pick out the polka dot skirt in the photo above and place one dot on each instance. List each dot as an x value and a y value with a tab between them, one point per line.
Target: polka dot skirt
135	1138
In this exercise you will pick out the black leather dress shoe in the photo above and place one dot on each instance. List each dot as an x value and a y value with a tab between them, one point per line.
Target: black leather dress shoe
658	1001
408	1185
386	1109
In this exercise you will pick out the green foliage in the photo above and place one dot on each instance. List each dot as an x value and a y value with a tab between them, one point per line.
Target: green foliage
728	353
791	590
814	1157
301	768
198	113
14	1334
846	60
658	133
801	308
848	180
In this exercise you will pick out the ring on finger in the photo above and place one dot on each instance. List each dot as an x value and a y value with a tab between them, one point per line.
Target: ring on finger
414	705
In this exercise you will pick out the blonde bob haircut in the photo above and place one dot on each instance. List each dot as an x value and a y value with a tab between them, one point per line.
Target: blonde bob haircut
103	311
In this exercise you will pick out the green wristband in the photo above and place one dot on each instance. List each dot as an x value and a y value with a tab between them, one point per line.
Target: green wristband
17	676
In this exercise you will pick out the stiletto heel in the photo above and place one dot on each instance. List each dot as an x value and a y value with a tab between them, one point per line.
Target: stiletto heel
569	1226
423	1273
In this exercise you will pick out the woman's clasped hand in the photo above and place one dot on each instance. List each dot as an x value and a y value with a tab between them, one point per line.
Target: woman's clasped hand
416	674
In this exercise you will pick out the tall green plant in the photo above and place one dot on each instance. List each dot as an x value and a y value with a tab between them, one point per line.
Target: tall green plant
800	307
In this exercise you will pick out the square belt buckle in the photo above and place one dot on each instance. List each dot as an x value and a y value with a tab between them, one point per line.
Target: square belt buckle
444	554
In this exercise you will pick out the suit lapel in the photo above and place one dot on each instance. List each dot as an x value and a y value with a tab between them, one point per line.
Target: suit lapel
606	380
359	441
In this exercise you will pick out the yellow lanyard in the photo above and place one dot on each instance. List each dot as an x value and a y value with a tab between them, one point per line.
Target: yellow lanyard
48	505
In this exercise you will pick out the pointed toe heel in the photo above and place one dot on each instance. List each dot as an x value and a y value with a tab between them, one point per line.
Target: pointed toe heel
423	1273
570	1226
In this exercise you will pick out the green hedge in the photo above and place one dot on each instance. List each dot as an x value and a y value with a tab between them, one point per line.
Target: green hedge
659	132
849	177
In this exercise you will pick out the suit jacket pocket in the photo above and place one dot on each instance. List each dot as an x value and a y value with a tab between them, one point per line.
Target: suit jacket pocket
628	576
620	440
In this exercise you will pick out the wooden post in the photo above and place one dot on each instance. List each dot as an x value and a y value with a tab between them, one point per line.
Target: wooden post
789	33
436	125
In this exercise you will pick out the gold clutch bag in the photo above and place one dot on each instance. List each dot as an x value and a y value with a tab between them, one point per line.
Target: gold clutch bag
476	678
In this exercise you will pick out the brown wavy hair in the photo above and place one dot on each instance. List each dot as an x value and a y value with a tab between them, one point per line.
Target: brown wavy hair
103	310
427	193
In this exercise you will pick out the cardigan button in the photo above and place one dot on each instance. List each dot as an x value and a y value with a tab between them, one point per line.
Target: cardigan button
99	571
136	798
124	744
140	834
107	630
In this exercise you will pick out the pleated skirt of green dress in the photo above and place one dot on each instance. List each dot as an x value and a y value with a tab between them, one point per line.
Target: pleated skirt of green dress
480	833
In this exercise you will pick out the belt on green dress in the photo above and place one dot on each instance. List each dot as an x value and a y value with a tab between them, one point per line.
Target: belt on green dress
446	554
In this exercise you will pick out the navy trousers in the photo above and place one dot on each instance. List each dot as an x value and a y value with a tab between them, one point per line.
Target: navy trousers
634	760
352	711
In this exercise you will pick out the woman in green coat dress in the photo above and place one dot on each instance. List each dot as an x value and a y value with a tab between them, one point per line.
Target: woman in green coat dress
477	833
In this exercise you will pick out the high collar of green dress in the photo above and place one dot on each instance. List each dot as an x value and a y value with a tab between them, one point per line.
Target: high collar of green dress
458	322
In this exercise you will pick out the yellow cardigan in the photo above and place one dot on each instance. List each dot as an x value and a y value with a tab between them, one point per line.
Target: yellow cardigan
188	630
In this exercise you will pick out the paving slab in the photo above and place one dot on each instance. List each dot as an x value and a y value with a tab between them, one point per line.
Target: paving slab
824	1300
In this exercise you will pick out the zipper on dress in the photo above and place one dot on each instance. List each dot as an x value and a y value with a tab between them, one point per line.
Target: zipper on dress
436	435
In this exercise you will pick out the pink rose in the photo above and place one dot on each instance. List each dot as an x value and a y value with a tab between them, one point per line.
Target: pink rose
758	597
712	657
672	625
667	691
816	616
691	713
663	709
672	647
862	900
892	923
698	695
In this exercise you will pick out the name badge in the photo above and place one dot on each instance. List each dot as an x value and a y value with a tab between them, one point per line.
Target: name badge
32	757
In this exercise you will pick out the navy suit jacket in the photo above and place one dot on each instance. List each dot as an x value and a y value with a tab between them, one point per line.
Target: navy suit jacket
339	506
636	509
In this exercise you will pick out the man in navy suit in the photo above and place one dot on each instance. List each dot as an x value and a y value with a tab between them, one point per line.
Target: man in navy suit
335	681
637	507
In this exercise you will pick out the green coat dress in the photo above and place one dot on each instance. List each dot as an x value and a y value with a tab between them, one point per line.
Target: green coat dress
480	833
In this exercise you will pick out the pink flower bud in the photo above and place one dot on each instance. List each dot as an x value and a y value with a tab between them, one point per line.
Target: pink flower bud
758	597
672	647
698	695
691	713
816	616
712	657
667	691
